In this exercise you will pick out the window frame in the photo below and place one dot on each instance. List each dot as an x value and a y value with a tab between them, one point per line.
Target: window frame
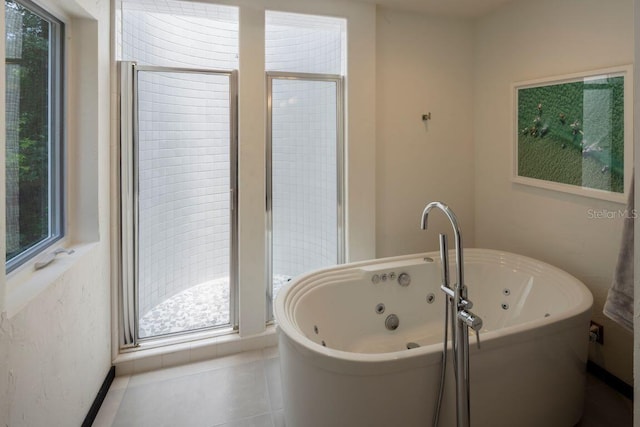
57	137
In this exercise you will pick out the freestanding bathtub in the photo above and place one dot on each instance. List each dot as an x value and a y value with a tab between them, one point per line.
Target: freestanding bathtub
342	367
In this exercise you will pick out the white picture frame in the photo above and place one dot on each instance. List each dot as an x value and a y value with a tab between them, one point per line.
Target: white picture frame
571	142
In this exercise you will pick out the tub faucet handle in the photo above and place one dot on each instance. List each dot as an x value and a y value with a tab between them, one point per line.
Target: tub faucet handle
465	304
472	321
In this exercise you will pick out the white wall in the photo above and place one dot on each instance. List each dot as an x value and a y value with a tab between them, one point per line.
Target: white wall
423	64
58	349
528	40
55	324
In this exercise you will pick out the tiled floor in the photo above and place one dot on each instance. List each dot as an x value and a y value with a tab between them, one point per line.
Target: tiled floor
605	407
236	391
244	390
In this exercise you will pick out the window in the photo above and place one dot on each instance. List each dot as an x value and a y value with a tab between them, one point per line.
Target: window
34	131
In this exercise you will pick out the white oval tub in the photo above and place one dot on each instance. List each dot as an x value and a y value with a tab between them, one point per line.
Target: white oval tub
342	368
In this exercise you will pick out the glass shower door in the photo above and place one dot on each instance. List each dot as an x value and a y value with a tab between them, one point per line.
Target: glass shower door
305	208
184	171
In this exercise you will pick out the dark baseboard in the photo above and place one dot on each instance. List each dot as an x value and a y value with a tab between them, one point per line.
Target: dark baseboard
611	380
102	393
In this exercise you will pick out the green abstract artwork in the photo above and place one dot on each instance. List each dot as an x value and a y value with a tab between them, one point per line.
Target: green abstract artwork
573	132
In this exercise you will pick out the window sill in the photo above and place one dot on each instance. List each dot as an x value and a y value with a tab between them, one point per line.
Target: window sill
26	283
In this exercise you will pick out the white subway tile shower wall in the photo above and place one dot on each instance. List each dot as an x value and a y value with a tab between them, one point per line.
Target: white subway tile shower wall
305	43
180	34
304	175
183	166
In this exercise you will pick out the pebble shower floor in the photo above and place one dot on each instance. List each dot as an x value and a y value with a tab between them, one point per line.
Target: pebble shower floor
200	306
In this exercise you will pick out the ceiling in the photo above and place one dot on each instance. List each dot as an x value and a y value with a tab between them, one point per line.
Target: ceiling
454	8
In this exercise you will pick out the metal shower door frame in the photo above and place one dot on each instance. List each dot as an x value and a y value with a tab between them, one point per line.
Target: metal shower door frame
129	207
340	160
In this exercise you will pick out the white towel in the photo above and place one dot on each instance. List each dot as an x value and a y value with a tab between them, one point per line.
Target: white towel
619	304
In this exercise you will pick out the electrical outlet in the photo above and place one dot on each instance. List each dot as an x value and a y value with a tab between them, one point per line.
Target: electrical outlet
596	333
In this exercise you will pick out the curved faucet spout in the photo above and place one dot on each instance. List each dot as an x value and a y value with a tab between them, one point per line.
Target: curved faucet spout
456	229
464	318
444	208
